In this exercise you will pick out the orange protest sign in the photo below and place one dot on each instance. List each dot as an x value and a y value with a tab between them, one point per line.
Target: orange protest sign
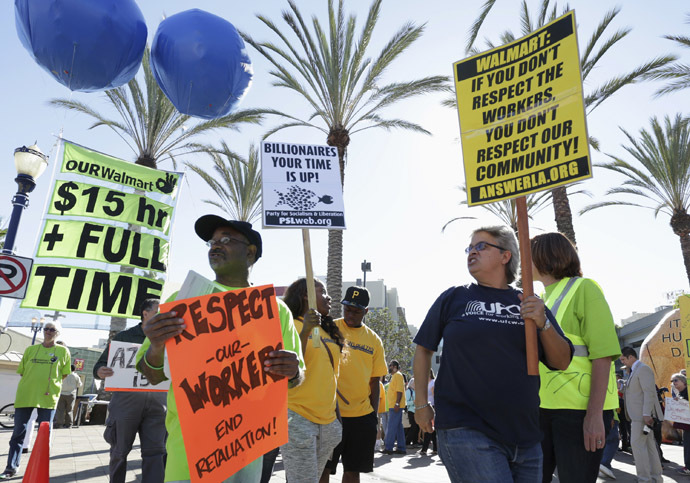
231	411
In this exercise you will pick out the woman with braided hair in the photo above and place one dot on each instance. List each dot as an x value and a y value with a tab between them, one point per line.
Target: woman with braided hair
313	426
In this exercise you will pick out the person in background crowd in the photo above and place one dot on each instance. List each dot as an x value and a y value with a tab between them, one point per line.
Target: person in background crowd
680	383
412	433
134	412
68	394
623	423
430	437
641	408
313	426
358	387
610	448
575	417
487	439
234	247
42	369
396	397
383	418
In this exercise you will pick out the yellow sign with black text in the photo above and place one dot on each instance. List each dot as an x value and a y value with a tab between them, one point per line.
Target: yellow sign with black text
522	116
105	241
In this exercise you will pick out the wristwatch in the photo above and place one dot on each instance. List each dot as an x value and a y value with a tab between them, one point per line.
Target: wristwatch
547	326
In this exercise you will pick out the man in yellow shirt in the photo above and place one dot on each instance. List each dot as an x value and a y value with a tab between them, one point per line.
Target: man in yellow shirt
396	403
358	387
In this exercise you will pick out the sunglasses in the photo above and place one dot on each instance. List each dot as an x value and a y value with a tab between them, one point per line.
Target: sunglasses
49	329
225	241
481	246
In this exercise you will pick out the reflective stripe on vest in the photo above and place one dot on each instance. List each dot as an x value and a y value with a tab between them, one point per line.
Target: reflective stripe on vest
569	389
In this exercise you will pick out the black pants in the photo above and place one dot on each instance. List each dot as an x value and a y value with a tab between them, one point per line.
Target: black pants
564	446
412	433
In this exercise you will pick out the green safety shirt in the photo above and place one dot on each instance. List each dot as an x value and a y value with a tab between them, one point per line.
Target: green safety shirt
42	370
585	317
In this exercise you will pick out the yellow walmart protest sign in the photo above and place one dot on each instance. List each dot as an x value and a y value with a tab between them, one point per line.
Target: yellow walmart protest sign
522	117
81	240
70	198
105	241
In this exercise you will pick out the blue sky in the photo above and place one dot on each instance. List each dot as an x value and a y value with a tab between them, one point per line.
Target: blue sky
400	187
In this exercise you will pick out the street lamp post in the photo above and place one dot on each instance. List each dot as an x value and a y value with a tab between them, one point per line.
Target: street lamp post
366	267
30	163
36	326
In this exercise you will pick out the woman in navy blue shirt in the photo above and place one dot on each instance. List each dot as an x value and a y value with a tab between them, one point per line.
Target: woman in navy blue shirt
485	437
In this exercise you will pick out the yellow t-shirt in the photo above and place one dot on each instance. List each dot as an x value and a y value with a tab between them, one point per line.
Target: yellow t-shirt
314	399
364	359
382	399
396	385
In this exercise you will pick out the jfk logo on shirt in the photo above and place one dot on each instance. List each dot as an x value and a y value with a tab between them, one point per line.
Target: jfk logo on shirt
495	309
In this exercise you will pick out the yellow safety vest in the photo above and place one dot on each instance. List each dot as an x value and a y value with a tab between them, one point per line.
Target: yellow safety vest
569	389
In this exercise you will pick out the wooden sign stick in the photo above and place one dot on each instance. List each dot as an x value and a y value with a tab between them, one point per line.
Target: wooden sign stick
531	349
311	290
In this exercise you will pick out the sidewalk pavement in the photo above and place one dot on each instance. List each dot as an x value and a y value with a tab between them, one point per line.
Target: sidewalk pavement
81	455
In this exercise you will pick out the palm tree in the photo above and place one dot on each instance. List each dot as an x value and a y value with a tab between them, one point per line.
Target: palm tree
330	71
678	74
153	129
505	210
599	43
3	232
661	175
236	181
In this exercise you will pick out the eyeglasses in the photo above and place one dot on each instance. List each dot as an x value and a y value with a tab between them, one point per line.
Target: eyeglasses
481	246
225	241
49	329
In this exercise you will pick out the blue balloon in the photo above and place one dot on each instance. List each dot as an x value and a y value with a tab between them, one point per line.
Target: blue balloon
86	45
201	64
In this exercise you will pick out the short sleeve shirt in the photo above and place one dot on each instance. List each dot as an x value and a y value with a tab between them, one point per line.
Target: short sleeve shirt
42	370
397	385
315	398
484	338
363	360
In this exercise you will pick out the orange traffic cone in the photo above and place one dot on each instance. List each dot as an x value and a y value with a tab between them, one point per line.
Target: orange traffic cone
38	469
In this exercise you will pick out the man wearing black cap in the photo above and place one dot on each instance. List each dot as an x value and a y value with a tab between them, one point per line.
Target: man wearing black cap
358	387
233	248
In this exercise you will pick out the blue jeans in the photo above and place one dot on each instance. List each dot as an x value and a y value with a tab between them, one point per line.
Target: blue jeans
21	418
470	456
611	447
395	430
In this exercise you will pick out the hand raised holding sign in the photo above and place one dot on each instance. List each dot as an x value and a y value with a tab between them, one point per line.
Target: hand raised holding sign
159	329
104	372
283	363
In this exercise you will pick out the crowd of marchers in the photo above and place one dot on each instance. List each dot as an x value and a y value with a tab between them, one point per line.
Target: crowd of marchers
569	420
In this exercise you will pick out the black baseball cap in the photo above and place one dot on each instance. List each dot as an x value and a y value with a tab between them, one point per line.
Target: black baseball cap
356	297
206	226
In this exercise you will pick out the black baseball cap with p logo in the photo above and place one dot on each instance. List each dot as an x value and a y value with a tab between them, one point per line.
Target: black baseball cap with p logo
356	297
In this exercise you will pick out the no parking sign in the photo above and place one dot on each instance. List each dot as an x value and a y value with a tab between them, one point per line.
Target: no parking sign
14	275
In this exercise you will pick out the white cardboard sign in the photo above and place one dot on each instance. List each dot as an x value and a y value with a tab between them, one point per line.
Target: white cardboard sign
122	360
301	186
677	410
